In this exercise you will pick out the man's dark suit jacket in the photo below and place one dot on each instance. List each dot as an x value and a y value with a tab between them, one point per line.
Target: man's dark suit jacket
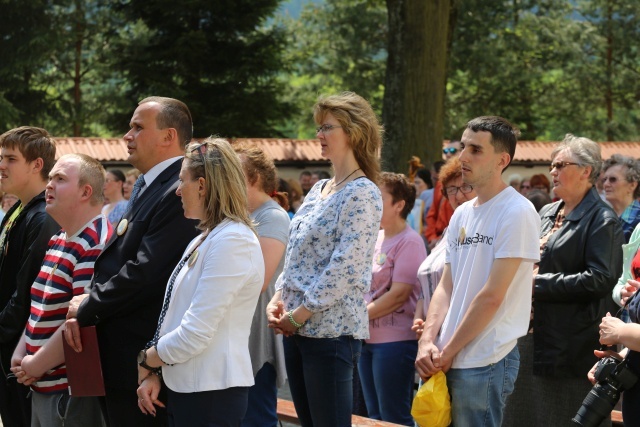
131	275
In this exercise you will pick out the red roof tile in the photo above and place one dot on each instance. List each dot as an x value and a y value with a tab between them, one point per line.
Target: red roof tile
298	150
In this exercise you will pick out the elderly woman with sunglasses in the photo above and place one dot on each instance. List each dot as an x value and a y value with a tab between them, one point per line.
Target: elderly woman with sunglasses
580	261
201	345
319	303
620	181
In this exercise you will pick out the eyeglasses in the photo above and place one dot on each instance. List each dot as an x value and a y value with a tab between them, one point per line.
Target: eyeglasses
450	150
453	190
525	186
560	165
326	128
612	179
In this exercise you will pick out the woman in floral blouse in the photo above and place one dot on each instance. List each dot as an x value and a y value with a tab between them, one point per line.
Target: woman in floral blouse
319	303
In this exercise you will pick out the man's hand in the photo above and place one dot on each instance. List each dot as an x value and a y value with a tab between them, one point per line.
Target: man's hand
427	360
74	304
21	373
72	334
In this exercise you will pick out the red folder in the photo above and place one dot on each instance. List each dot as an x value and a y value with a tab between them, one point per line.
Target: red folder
84	371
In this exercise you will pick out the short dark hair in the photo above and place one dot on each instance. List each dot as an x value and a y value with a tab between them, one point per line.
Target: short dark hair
539	199
504	135
33	143
305	173
400	189
322	174
173	114
425	175
437	165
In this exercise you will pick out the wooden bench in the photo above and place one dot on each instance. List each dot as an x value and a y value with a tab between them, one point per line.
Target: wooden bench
287	413
616	418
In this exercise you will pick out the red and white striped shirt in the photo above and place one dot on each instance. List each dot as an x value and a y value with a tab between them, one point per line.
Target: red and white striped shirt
66	271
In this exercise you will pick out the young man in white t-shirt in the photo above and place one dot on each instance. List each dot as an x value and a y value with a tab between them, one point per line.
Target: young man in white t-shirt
482	303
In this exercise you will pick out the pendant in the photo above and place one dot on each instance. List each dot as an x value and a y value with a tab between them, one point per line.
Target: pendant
192	259
122	227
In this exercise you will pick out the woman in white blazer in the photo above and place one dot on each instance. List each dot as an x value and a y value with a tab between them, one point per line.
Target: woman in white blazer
201	345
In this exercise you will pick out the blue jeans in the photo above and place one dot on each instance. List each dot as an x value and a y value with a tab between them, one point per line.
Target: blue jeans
387	374
263	399
478	395
320	372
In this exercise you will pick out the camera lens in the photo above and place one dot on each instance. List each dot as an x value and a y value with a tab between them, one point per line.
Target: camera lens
597	405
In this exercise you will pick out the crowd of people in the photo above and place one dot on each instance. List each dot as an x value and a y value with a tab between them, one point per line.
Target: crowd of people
210	281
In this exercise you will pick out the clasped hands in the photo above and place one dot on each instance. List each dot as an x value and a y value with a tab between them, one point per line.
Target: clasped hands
431	360
25	370
278	319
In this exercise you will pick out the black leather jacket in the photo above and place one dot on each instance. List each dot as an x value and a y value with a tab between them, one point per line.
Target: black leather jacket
579	267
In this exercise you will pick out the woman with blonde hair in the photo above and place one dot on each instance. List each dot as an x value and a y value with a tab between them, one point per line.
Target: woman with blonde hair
201	344
267	208
319	303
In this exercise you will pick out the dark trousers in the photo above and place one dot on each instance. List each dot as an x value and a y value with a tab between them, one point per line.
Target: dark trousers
15	403
262	410
215	408
320	372
120	409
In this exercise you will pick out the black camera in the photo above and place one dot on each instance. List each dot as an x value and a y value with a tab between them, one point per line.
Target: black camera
614	377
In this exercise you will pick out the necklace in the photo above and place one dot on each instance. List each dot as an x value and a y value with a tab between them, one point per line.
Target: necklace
334	186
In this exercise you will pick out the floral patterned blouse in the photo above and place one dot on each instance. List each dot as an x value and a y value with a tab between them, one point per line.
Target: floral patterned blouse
327	265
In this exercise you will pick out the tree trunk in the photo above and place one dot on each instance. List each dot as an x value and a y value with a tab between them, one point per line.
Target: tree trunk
608	96
77	78
413	106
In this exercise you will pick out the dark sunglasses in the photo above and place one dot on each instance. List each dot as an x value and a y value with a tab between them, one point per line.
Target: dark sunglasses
450	150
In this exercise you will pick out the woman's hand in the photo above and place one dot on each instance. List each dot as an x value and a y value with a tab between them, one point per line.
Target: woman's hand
148	395
418	327
629	289
143	374
610	330
275	313
286	326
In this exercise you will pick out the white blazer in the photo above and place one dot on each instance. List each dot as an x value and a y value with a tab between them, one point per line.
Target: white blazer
205	333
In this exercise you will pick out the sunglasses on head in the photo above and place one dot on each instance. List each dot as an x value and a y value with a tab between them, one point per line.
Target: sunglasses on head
450	150
201	149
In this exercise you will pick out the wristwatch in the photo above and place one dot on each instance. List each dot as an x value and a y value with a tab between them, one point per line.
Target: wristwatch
142	361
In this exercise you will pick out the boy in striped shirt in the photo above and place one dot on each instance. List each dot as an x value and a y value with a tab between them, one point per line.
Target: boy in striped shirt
74	199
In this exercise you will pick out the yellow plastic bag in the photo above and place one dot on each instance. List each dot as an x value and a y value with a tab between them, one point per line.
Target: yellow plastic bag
432	404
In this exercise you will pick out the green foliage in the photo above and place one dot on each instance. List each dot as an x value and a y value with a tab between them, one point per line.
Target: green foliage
221	58
333	47
542	65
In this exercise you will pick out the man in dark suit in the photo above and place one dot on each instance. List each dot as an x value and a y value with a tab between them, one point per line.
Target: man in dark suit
132	272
